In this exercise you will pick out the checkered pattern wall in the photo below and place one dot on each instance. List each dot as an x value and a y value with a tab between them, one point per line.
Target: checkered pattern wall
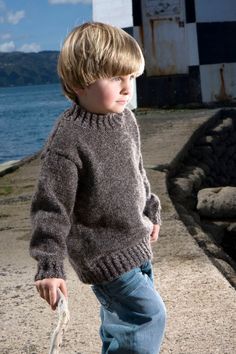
210	31
208	53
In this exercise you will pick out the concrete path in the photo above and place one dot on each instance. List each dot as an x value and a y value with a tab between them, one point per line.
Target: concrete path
200	302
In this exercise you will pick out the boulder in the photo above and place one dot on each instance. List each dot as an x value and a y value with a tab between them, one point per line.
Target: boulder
232	227
219	202
183	186
228	123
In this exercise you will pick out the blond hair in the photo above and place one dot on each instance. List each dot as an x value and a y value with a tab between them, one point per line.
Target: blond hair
96	51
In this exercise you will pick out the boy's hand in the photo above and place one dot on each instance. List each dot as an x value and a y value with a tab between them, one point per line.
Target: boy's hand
47	289
155	233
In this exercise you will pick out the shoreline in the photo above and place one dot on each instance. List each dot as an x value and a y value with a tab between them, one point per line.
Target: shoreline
8	165
12	165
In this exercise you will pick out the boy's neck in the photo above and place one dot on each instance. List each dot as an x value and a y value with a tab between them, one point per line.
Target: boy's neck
91	111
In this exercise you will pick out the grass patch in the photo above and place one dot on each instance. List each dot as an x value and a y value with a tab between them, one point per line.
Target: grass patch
5	190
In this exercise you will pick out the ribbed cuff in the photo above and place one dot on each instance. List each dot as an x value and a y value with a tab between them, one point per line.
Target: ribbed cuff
153	209
155	219
50	268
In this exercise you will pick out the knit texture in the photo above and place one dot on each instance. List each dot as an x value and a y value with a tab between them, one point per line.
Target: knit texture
93	200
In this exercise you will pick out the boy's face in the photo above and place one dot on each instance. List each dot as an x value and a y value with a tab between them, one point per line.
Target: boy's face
107	95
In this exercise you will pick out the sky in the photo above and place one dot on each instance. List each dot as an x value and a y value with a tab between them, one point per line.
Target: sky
36	25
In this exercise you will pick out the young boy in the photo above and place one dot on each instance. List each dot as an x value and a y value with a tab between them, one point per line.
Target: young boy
93	199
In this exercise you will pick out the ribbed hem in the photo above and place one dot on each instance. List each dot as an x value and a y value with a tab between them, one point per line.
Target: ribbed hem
94	121
109	267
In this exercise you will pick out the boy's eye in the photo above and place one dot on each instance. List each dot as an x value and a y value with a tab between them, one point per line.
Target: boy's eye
117	78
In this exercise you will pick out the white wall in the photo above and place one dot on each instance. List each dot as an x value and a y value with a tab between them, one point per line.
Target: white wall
218	82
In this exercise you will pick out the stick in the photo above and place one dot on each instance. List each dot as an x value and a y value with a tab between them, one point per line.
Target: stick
64	317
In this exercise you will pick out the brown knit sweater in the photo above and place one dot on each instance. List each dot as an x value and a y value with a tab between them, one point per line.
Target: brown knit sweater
93	199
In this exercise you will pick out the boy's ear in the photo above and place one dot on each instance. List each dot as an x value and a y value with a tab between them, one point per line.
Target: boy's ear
79	91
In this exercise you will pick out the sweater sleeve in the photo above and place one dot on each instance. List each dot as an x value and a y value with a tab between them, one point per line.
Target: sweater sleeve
153	206
51	211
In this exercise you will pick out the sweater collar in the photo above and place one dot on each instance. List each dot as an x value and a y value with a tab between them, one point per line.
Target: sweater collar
95	121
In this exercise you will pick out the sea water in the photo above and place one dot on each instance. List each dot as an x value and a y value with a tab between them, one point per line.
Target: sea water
27	115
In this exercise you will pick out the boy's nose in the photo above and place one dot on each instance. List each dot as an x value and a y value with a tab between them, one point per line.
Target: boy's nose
126	87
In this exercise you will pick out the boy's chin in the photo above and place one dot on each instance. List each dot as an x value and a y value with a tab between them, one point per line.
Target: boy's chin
113	110
118	110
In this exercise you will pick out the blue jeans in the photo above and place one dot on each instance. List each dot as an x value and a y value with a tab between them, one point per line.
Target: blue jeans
132	313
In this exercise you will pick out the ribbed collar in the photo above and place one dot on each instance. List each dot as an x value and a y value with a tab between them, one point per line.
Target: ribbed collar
95	121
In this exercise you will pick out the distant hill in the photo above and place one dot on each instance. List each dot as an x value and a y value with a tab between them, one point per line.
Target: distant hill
17	68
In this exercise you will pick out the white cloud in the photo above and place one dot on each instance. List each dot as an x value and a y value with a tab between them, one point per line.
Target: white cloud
15	17
5	36
56	2
29	48
7	47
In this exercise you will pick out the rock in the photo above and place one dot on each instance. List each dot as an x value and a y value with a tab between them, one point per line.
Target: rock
209	160
210	181
217	130
188	219
226	269
231	140
232	227
206	140
222	180
201	151
198	171
228	123
183	186
204	167
193	175
220	150
231	150
219	202
213	229
197	181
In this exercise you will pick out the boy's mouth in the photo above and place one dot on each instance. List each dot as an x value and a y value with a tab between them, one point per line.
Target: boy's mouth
122	102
